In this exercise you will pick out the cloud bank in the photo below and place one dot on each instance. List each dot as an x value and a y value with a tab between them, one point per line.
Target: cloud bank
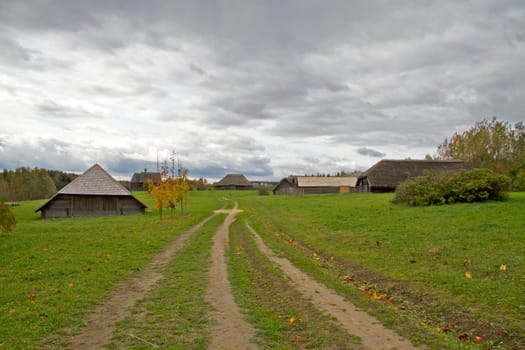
263	88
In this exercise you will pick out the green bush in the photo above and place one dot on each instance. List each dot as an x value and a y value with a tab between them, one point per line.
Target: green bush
7	218
518	183
263	191
420	191
475	185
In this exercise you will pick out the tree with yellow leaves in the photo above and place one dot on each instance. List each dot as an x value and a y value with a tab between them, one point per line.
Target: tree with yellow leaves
159	192
169	189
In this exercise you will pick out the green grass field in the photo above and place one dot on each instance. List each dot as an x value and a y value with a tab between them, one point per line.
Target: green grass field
419	256
53	272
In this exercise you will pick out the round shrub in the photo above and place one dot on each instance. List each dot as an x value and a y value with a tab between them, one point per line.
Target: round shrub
475	185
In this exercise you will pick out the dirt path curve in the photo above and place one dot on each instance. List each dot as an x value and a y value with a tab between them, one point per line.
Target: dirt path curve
373	334
230	331
100	323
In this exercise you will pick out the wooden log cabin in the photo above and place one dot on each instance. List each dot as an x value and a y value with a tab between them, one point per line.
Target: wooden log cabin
387	174
301	185
94	193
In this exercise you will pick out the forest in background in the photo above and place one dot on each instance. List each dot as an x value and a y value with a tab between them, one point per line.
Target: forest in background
26	183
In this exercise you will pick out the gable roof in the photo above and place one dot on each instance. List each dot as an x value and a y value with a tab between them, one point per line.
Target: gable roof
325	181
234	180
95	181
390	173
142	177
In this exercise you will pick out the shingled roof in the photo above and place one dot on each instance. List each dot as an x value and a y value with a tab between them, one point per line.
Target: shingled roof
389	173
234	180
142	177
95	181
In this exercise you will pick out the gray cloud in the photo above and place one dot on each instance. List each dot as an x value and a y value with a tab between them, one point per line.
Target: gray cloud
230	84
370	152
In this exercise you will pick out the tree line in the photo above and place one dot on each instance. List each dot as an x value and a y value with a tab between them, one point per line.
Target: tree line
491	144
27	183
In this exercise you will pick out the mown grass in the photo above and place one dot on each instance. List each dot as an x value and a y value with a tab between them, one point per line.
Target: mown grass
271	302
174	315
417	255
53	272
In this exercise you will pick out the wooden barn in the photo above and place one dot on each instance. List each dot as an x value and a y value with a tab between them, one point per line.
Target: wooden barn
94	193
300	185
234	182
386	174
138	180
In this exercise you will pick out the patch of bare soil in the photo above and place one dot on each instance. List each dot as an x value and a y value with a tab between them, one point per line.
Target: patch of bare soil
230	331
100	324
373	335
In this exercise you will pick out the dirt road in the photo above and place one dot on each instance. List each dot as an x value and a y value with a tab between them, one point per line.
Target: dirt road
373	335
230	331
100	324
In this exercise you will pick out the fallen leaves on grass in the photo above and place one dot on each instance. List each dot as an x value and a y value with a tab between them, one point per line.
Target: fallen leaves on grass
32	298
468	275
463	336
348	278
503	267
376	296
478	340
292	321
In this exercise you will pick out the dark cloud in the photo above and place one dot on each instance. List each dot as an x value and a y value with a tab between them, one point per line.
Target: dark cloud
370	152
49	154
58	110
227	82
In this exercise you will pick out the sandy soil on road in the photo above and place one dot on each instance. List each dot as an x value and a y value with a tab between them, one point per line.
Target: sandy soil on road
100	324
231	330
373	335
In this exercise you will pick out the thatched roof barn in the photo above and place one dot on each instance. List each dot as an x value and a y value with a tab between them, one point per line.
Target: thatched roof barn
94	193
300	185
138	180
233	182
386	174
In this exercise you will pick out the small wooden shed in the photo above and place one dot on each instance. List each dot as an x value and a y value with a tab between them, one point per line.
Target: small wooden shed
300	185
94	193
234	182
138	180
387	174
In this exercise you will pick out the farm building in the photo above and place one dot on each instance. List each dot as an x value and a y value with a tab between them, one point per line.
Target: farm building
138	180
94	193
234	182
300	185
386	174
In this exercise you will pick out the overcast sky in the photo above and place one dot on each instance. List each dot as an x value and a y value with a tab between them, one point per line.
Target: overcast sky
265	88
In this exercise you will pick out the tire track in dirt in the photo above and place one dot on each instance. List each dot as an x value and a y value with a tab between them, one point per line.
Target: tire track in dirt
372	333
100	323
231	330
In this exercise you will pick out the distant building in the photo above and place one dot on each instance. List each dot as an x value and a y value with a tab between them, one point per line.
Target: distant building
94	193
387	174
234	182
138	180
300	185
263	184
